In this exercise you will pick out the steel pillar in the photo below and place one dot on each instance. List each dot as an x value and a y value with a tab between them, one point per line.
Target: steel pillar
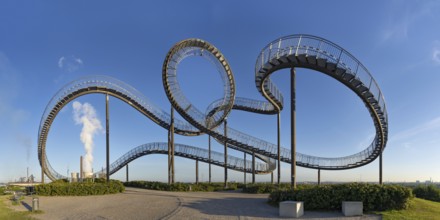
169	155
293	128
42	175
271	177
244	177
279	147
107	138
209	150
126	173
253	167
319	177
171	149
197	171
380	169
226	152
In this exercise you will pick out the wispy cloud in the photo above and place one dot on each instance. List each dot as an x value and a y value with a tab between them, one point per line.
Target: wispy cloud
417	130
401	22
11	116
436	52
70	63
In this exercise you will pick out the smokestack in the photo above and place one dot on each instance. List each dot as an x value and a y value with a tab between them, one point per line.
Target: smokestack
81	167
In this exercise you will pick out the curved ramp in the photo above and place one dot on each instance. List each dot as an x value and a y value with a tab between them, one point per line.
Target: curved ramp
190	152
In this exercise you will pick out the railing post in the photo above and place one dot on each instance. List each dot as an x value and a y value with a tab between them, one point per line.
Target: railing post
297	47
270	52
279	48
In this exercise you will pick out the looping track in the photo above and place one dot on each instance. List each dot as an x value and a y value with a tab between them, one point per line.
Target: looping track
304	51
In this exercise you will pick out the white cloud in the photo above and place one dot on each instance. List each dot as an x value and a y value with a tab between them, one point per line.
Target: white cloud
419	129
70	63
436	55
61	62
405	18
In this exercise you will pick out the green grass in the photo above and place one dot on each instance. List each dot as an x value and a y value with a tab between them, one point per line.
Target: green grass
6	213
418	209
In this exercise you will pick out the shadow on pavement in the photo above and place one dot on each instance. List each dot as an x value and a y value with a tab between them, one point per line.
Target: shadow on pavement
258	208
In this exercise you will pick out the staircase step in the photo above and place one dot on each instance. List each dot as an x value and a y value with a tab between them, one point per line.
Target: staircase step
283	59
311	59
355	82
331	66
302	58
348	76
292	58
321	62
274	61
339	71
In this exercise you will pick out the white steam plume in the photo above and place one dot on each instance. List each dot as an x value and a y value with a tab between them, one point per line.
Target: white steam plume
85	114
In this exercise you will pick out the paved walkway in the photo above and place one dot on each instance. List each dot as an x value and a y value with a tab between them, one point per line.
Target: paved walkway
148	204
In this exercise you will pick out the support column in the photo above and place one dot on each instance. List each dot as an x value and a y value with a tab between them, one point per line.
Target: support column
169	154
42	175
271	178
293	128
279	147
126	173
197	171
226	153
172	145
253	167
244	178
319	177
209	150
107	138
380	169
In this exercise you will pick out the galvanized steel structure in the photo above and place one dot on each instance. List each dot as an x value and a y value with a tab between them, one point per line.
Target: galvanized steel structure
295	51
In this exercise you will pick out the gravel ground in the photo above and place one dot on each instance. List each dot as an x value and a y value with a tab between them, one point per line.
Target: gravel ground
148	204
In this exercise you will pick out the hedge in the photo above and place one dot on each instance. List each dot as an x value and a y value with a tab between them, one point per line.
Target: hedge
269	187
182	187
60	188
329	197
430	192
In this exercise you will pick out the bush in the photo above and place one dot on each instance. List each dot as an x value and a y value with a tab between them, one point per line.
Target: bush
61	188
329	197
181	187
430	192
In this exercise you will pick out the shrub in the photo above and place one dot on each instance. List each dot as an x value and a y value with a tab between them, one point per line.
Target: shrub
61	188
182	187
329	197
430	192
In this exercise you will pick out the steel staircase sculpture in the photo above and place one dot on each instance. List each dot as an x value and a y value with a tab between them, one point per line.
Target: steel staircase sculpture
304	51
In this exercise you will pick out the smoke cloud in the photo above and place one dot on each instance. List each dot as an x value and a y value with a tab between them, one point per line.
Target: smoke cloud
85	115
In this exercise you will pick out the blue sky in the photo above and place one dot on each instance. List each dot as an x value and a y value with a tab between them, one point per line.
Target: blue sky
46	44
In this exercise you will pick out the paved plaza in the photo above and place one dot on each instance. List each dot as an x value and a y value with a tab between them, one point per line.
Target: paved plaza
148	204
